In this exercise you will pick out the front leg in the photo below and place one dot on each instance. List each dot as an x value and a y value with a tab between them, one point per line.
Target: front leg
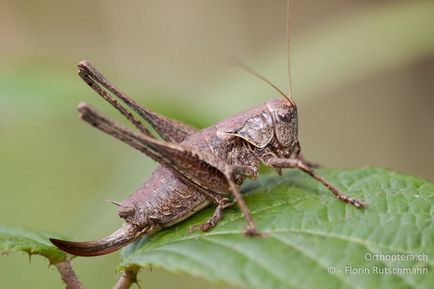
282	163
312	165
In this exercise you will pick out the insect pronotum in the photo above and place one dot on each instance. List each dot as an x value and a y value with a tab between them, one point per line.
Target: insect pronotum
197	167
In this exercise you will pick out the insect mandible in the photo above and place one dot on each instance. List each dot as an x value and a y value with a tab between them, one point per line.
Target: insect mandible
197	167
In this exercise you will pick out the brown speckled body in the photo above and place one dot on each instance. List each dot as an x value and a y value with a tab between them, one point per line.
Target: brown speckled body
197	167
166	198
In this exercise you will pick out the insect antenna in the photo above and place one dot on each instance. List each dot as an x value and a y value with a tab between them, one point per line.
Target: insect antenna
250	70
288	30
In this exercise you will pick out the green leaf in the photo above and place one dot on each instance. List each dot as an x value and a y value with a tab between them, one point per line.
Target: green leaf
308	234
14	239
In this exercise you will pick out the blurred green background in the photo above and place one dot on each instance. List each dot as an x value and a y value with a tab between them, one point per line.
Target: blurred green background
363	78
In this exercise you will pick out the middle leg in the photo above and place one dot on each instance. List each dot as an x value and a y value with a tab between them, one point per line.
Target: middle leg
222	203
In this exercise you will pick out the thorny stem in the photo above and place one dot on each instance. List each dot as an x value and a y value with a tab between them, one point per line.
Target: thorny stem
127	278
68	276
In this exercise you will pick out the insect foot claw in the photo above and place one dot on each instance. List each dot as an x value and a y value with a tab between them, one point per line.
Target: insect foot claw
252	232
205	227
358	204
355	202
192	228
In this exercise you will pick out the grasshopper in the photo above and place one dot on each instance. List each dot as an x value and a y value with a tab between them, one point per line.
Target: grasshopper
197	167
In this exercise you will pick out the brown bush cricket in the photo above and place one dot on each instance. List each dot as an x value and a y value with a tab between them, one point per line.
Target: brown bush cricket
197	167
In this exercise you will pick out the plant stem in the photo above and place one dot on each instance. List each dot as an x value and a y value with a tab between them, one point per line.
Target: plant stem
127	278
68	276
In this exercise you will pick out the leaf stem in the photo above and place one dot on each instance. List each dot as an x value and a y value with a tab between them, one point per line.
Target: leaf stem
68	276
128	277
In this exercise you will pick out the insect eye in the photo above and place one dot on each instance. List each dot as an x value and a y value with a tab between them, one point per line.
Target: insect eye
284	115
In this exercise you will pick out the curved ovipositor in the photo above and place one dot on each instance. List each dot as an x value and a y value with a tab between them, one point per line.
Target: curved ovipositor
125	235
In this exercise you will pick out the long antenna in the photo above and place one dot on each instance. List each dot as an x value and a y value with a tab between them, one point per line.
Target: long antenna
255	73
250	70
288	27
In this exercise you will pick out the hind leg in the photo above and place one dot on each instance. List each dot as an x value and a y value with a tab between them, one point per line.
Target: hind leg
169	129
